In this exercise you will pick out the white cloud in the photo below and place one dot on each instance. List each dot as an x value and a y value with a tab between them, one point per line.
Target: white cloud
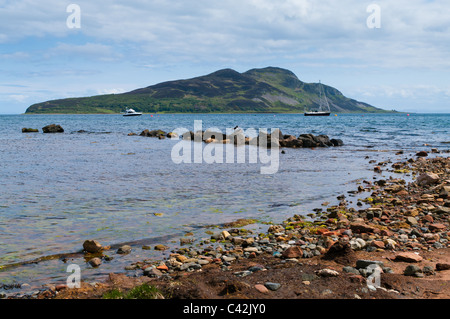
324	37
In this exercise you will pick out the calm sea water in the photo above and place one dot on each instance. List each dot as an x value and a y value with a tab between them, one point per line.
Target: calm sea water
96	182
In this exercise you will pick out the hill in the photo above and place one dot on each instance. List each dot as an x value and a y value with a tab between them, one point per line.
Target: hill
266	90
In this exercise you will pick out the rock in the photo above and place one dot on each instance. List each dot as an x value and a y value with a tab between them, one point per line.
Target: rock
327	273
357	243
336	142
378	244
29	130
293	252
436	227
152	272
225	234
186	241
125	249
442	266
361	263
153	133
243	273
92	246
228	258
427	179
161	247
412	270
275	229
428	270
292	142
411	220
408	257
351	270
262	289
422	154
272	286
53	128
341	253
362	228
95	262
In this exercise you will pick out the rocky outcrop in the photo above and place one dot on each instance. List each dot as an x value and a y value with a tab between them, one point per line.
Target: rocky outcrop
264	139
53	128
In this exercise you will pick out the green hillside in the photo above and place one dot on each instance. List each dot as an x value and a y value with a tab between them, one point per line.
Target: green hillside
264	90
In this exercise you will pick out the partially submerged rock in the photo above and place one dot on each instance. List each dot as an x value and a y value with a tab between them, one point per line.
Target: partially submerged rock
53	128
29	130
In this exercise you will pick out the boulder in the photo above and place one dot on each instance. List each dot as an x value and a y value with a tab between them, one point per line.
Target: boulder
408	257
427	179
125	249
95	262
422	154
291	141
293	252
412	270
337	142
92	246
153	133
53	128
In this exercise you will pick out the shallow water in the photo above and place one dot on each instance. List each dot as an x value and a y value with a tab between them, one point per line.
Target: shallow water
58	190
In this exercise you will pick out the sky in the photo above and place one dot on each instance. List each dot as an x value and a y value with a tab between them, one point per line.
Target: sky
390	54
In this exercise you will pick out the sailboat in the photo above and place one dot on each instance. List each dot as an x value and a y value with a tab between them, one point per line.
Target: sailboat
324	107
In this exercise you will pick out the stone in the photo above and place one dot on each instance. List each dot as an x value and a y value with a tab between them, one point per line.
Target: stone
362	263
408	257
152	272
412	270
92	246
411	220
378	244
293	252
225	234
428	270
442	266
261	288
95	262
327	273
422	154
272	286
123	250
160	247
436	227
362	228
357	279
162	267
153	133
53	128
350	270
228	258
427	179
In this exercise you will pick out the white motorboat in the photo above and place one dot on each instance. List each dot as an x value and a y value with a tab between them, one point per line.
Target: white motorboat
131	112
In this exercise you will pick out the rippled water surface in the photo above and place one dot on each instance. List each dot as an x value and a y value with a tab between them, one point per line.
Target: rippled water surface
96	182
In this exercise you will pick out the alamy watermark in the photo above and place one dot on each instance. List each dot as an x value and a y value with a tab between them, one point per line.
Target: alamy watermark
74	19
226	148
74	280
374	19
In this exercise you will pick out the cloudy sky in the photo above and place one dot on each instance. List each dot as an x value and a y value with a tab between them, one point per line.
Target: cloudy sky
403	63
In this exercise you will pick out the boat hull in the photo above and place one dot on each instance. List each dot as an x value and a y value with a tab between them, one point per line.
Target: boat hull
317	114
137	114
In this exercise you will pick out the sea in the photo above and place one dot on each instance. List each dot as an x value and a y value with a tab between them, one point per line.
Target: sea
95	181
